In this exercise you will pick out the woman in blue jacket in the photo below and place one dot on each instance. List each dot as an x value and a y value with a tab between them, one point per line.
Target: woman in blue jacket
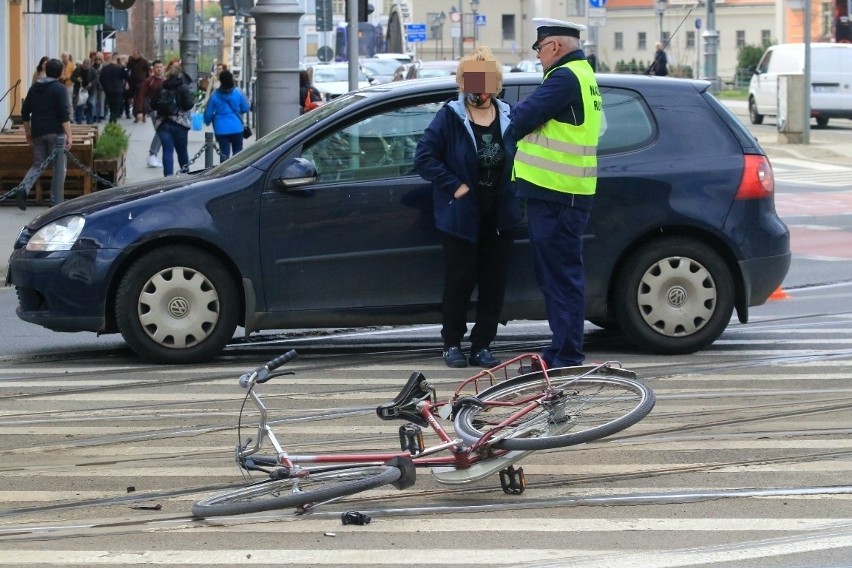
224	109
466	155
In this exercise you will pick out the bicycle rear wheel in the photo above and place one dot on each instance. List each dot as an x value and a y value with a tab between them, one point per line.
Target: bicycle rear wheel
590	407
279	494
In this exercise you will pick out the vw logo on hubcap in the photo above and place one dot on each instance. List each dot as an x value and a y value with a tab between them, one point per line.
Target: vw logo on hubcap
677	296
178	307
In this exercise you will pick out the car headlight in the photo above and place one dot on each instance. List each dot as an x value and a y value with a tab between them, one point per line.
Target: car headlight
59	235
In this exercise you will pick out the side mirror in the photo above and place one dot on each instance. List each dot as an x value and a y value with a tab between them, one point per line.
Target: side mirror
295	174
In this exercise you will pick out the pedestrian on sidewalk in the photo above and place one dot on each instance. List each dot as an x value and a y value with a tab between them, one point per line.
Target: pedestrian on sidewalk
173	121
113	81
150	90
224	110
84	78
47	123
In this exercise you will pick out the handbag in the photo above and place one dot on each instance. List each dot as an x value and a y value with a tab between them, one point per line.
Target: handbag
247	133
82	97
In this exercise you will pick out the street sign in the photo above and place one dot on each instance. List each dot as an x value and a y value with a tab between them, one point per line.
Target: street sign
415	33
325	54
597	16
480	20
597	3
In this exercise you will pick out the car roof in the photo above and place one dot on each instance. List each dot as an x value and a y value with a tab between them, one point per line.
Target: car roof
643	82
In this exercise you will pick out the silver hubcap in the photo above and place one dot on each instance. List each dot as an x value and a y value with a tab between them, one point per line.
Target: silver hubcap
178	307
676	296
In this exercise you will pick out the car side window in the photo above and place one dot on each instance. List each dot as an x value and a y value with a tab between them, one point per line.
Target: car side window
375	147
627	122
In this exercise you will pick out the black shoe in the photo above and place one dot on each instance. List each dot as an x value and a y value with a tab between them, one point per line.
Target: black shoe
454	358
483	358
533	367
21	199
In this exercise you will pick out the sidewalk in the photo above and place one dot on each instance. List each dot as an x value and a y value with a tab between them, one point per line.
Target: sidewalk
13	219
822	148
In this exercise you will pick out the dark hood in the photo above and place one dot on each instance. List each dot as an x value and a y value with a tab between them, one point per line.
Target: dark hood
99	200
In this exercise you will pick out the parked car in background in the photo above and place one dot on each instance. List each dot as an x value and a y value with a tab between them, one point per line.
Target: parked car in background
332	79
528	66
428	69
831	80
382	70
325	223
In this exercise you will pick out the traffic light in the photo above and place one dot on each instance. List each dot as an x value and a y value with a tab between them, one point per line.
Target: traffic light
324	16
364	10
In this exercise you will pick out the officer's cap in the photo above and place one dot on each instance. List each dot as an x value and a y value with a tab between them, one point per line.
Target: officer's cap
546	27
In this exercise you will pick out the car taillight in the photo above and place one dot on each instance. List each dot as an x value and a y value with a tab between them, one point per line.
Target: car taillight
758	180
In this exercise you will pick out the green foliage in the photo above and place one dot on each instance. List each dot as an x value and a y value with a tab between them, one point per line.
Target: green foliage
112	142
633	67
748	56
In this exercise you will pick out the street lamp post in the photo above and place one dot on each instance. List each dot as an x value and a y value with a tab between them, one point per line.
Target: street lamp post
455	17
660	9
474	7
438	32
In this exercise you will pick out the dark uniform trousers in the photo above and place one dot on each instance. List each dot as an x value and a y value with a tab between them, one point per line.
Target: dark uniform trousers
556	232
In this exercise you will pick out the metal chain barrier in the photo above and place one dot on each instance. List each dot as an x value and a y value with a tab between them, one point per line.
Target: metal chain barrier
31	178
87	170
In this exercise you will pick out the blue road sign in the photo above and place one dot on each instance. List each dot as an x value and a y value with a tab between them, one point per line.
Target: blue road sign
597	3
480	20
415	33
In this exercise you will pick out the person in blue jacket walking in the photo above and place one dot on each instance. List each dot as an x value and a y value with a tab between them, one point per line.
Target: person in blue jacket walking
224	110
466	155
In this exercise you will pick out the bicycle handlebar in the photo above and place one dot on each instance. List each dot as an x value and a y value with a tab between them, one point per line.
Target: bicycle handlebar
264	373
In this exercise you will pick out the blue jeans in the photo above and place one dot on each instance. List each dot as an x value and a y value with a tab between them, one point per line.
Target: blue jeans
85	112
227	142
174	139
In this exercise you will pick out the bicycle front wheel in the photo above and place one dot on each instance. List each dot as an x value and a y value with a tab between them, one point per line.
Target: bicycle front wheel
588	407
279	494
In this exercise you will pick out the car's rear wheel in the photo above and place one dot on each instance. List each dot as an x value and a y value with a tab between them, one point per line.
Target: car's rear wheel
822	121
753	115
177	305
675	295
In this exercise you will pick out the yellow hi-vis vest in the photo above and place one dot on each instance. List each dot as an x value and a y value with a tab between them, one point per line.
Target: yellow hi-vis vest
561	156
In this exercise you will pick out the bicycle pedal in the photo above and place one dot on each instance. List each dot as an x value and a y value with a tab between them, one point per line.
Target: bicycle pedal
354	518
411	438
513	481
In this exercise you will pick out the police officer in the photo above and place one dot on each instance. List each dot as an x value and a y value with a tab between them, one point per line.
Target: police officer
557	129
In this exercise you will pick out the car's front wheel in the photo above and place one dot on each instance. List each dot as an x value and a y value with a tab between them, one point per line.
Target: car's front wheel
753	115
674	296
177	305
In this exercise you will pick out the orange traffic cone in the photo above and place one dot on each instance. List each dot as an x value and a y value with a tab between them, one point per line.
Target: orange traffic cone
778	294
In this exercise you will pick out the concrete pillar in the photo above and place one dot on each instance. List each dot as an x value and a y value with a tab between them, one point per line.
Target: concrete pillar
188	41
277	54
790	120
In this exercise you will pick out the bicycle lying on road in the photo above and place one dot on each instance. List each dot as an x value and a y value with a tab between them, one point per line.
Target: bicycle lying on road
496	421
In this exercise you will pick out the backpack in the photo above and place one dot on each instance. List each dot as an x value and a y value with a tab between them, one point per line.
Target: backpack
310	104
166	104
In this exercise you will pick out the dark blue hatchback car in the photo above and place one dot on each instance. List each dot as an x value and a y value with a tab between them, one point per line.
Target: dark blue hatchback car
324	223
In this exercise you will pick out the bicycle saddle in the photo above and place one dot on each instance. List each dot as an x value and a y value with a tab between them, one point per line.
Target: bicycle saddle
404	406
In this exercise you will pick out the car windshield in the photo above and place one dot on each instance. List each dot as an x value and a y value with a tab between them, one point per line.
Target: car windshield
323	74
274	139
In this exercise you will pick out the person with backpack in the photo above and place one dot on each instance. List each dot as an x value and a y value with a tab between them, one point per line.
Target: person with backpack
224	109
309	97
174	102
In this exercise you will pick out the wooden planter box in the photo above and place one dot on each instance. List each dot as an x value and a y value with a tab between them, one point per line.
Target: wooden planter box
111	170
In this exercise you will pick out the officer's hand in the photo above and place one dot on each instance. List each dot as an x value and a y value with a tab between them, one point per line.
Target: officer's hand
461	191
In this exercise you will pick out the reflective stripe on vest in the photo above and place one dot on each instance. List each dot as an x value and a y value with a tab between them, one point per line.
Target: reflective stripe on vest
561	156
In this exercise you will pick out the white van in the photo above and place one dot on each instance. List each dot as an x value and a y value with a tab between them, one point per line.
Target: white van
831	80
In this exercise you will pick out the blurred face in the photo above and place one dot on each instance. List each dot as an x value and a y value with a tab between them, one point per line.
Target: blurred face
479	77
